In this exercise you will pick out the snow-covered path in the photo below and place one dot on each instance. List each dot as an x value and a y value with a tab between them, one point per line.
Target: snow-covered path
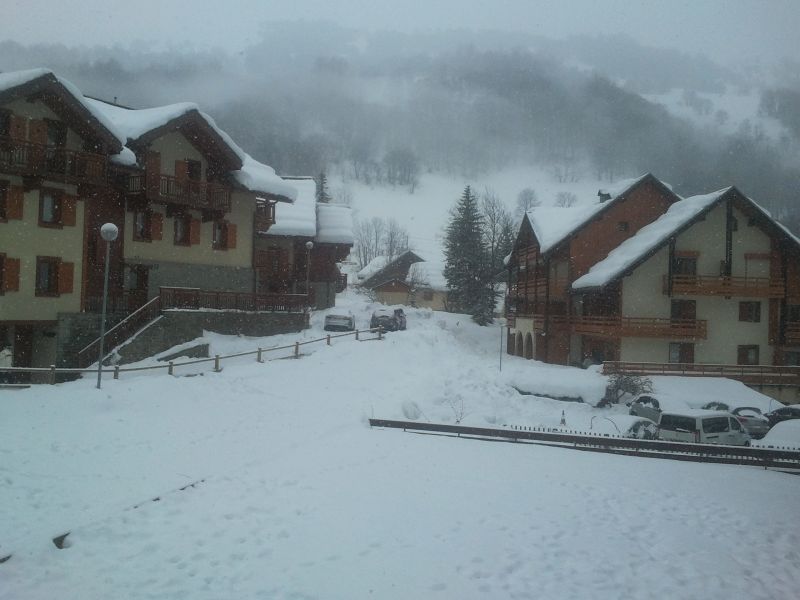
301	499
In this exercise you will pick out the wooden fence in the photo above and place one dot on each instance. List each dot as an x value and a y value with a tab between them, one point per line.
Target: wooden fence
753	374
51	373
615	444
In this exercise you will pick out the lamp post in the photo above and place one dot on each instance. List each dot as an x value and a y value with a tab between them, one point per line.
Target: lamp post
109	233
309	246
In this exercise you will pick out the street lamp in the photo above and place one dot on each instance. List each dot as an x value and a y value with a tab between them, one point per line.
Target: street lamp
109	233
309	246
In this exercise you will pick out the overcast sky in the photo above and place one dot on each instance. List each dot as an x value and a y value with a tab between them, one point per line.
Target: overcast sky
725	30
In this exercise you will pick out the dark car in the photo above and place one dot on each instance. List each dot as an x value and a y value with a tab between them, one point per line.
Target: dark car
384	318
400	317
756	424
783	414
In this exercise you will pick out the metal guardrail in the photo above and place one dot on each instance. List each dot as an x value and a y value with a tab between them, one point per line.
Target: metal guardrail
615	444
170	367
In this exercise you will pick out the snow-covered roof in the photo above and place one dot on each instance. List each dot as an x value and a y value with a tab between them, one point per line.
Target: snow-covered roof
372	267
428	274
300	218
334	224
261	179
646	239
134	123
16	78
552	225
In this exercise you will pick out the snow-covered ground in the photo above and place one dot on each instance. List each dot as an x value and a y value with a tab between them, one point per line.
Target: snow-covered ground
301	499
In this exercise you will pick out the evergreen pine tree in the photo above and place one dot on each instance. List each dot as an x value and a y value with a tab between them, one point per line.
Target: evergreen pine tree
466	269
322	188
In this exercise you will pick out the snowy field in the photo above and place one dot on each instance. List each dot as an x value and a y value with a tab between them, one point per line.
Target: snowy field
299	498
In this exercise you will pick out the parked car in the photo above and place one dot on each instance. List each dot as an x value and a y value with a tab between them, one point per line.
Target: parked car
702	427
783	414
756	424
340	322
784	435
389	319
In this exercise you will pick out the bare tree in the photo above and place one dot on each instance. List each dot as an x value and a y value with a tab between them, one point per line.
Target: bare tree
566	199
379	237
395	239
526	200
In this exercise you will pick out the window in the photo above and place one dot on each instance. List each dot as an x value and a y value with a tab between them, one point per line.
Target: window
685	265
141	225
219	235
681	352
47	276
793	313
715	425
182	224
50	208
623	226
750	312
56	133
735	426
683	309
734	224
4	200
194	170
677	423
747	355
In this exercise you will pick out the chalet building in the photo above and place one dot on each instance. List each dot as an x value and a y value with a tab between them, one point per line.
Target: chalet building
282	257
186	199
646	277
407	279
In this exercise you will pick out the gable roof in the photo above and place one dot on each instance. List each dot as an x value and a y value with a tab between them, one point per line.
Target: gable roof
397	268
428	275
554	225
20	84
652	237
141	126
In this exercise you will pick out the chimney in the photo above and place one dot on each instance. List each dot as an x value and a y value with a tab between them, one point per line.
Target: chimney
603	196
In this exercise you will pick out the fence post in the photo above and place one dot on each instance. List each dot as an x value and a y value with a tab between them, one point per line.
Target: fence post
216	363
297	349
356	334
258	357
116	371
329	339
380	333
52	374
170	369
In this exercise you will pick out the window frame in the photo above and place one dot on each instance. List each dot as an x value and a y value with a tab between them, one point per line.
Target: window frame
219	242
750	311
741	351
5	191
681	346
146	236
194	167
186	239
55	264
58	208
684	260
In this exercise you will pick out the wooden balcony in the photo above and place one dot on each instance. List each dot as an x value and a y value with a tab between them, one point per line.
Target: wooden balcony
56	164
705	285
264	216
792	335
538	288
202	195
684	329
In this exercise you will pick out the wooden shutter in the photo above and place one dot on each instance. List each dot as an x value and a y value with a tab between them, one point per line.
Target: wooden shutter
194	231
18	127
69	208
181	170
66	273
11	283
14	202
156	226
38	131
230	235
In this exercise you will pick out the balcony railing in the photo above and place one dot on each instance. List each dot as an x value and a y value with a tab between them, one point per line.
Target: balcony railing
709	285
265	216
751	374
640	327
792	335
60	164
187	192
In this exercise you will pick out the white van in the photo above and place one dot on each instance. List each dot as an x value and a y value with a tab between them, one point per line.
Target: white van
702	427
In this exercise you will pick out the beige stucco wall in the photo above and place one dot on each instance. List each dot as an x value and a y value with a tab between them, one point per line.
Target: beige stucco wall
438	301
38	110
24	239
392	297
174	146
642	295
242	208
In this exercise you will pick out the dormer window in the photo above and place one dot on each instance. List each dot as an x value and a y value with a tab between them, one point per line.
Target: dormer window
194	170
